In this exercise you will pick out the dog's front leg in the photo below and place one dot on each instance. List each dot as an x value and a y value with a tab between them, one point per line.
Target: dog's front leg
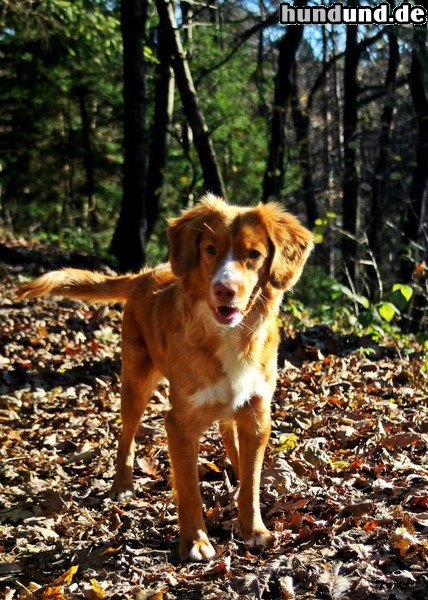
183	445
230	440
253	425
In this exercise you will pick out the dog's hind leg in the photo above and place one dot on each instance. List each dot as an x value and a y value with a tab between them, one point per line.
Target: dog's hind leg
139	378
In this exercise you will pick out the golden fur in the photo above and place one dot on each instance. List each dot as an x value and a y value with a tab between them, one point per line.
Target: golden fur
207	321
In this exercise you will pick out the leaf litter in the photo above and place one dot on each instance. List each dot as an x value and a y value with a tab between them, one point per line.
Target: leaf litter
344	486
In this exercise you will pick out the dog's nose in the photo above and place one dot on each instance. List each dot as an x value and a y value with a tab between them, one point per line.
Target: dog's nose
223	293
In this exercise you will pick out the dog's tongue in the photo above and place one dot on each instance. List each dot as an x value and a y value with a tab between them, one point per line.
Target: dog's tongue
227	315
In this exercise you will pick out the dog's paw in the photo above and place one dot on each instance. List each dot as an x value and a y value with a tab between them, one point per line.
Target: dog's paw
198	549
260	538
120	492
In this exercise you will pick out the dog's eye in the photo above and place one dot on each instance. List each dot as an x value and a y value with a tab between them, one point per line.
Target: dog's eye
211	249
254	254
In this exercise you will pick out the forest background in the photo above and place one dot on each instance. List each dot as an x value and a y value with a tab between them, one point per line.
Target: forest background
114	117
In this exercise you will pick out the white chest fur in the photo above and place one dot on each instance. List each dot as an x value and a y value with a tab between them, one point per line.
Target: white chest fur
242	378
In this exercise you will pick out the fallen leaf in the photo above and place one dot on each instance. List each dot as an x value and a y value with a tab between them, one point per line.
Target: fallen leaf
99	592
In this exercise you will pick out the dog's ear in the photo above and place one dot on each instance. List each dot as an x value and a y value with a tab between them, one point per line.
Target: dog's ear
291	245
185	232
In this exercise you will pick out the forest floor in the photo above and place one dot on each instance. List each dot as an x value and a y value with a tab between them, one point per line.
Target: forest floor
345	481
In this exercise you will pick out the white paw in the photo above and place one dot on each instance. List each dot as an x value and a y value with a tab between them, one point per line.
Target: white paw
198	550
262	539
122	493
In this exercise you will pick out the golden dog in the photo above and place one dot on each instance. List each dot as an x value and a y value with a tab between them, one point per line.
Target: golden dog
207	321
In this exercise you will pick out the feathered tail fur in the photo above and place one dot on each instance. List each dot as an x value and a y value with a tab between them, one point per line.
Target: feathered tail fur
79	284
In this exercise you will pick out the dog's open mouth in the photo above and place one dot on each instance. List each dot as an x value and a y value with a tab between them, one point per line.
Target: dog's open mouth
227	315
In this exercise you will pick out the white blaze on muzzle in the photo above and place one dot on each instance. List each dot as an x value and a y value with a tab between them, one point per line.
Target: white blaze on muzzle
228	273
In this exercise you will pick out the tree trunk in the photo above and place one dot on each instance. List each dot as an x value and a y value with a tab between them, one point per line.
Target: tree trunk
350	179
187	23
164	103
337	126
89	202
69	197
187	196
274	175
413	227
213	180
381	170
325	101
301	125
129	239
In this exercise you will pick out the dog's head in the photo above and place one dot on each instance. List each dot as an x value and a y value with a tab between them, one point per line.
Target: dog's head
229	254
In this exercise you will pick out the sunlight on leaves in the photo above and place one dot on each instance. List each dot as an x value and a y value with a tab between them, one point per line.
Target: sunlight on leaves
387	311
97	589
286	443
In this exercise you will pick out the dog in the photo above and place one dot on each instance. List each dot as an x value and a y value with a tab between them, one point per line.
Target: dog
207	322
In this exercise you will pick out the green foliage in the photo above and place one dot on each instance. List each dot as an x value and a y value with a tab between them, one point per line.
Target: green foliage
58	59
58	54
322	225
378	317
61	63
230	99
76	239
320	298
342	290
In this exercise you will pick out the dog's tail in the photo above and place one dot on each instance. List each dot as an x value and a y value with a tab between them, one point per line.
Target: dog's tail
79	284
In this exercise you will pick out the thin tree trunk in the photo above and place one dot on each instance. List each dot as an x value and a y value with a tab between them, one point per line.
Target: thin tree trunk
413	227
274	175
213	12
87	212
381	169
213	180
187	21
337	127
260	77
350	179
164	103
187	195
325	112
68	200
129	239
301	125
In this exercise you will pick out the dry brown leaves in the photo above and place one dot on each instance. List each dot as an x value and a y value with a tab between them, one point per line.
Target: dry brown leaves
345	484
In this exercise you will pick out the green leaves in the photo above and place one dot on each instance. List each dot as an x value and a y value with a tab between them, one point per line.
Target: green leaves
400	295
68	57
358	298
387	311
394	302
375	316
322	224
